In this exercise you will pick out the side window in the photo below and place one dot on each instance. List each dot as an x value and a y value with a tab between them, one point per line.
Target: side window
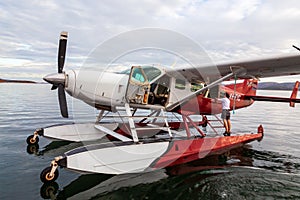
180	84
196	86
138	76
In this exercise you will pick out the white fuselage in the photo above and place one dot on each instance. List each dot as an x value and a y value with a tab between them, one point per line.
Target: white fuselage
99	89
107	90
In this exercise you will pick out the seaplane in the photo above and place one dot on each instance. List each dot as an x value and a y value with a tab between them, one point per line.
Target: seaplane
149	140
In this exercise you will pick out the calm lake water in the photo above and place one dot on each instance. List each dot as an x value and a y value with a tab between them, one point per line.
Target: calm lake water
269	169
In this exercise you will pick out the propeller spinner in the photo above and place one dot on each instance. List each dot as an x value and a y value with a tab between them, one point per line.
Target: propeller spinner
58	80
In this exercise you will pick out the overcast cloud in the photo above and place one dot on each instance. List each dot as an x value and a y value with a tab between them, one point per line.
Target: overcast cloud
227	30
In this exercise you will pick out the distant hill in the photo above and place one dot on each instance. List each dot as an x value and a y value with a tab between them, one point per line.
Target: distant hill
15	81
275	86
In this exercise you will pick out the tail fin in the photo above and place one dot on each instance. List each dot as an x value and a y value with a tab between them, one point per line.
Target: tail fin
294	94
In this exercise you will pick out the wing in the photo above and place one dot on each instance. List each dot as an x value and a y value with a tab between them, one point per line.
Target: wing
282	65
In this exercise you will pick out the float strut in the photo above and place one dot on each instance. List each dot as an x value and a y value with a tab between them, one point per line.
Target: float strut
54	165
35	135
187	129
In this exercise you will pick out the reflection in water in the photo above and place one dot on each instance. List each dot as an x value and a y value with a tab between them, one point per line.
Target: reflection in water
52	148
49	190
33	149
92	185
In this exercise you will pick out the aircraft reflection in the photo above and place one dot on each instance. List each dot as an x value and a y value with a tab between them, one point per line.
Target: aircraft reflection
53	147
95	185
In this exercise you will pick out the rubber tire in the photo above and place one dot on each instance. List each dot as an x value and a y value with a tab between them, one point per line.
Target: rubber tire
44	175
29	141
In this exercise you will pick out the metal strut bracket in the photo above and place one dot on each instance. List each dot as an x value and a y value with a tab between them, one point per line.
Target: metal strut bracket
99	117
131	123
54	165
166	123
35	135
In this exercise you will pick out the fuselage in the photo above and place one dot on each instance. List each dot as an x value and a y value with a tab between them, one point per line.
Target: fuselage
208	105
148	86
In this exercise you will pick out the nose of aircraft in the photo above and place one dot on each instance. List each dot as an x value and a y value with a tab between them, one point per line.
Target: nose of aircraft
55	79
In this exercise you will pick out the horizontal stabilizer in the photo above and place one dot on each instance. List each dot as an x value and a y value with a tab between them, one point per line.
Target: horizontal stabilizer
272	99
292	100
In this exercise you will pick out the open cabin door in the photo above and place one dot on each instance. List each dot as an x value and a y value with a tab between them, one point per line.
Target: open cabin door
138	86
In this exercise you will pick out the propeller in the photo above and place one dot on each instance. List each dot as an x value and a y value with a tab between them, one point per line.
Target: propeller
58	80
61	61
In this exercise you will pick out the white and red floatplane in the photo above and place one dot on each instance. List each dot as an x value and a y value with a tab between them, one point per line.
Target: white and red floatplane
144	142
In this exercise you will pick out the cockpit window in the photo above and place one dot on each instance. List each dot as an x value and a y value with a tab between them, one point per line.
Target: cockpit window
138	75
150	72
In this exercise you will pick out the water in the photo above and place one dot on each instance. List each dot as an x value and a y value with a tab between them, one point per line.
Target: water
266	170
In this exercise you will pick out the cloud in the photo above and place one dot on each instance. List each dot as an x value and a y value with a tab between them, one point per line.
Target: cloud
225	29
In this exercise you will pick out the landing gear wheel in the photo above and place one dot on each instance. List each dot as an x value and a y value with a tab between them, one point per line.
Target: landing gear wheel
30	140
45	175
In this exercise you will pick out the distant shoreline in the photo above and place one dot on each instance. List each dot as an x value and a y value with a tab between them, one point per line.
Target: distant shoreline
275	86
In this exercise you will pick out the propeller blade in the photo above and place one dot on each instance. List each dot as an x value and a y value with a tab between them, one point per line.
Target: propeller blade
62	50
62	101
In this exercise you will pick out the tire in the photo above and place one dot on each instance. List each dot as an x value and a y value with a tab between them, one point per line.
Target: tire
30	140
44	176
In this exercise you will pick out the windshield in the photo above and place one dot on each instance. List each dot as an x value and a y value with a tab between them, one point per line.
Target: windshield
150	72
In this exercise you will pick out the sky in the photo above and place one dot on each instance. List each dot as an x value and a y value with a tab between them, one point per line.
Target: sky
225	29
